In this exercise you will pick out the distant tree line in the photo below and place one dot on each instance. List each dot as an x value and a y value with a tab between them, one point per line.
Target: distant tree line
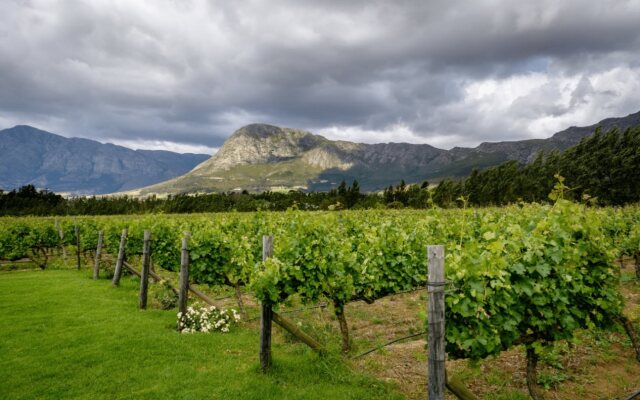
27	200
603	169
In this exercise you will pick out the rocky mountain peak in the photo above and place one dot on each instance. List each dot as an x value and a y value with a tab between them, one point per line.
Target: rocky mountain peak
258	131
262	143
275	133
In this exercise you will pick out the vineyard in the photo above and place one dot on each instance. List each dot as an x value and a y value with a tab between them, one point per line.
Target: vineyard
525	275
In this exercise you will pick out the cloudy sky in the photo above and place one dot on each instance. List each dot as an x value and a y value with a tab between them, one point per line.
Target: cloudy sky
184	74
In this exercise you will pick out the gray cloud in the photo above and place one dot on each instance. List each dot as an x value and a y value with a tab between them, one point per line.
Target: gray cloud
191	72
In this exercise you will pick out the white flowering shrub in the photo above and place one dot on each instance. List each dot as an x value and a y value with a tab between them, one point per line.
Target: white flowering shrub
199	318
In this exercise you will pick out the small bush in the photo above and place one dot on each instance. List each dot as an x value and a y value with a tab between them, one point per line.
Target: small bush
163	295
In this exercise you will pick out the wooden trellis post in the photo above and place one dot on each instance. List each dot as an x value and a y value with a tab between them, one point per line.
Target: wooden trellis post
266	313
144	274
184	280
118	270
435	314
61	235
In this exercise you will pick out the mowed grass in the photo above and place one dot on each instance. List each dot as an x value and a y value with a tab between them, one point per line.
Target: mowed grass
66	336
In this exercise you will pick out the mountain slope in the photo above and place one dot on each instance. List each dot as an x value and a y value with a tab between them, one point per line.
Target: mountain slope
525	150
45	160
262	157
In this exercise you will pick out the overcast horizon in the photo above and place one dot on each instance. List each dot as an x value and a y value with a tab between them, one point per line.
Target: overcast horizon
184	75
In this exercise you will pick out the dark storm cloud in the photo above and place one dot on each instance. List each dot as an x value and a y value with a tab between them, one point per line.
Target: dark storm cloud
191	72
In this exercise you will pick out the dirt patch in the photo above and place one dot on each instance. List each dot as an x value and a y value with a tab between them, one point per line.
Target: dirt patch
599	365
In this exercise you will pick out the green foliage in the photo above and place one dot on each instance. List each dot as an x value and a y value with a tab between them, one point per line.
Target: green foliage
521	274
536	282
551	380
316	261
163	296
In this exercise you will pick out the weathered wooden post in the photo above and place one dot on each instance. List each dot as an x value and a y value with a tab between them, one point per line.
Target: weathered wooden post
61	235
96	266
435	314
118	270
456	387
266	313
297	332
77	233
183	293
144	274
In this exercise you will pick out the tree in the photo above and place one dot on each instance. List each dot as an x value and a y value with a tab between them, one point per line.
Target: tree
342	189
353	194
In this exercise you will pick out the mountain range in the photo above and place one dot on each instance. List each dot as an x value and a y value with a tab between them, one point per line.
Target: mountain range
260	157
257	157
81	166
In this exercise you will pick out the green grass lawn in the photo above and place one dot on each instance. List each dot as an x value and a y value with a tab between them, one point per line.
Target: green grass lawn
65	336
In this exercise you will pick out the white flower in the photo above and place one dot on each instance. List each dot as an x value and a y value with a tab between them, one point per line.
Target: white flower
206	319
